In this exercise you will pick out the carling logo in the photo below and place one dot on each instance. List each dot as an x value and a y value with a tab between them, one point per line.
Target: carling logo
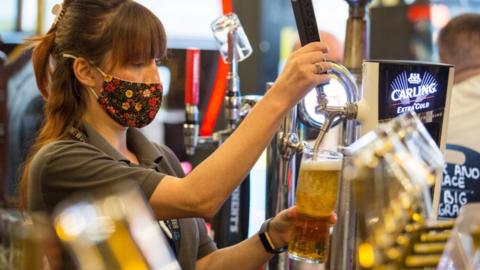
414	78
413	87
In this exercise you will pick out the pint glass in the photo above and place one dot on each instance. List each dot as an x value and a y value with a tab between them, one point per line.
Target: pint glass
315	202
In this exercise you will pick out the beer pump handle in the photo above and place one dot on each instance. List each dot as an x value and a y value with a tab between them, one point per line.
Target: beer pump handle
308	32
192	87
306	21
192	76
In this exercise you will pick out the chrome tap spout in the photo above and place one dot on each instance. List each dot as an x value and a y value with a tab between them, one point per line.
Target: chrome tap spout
333	115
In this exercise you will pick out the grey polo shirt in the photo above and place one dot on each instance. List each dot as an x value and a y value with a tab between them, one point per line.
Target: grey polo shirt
65	167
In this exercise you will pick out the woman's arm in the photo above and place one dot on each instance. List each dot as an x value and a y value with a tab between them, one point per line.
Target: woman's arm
246	255
204	190
250	254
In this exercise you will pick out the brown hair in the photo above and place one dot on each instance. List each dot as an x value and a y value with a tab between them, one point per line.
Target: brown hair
94	30
459	42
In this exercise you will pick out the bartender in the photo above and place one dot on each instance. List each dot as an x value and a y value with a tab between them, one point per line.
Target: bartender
97	71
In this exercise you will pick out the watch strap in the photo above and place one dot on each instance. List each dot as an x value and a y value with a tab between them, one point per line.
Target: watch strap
266	240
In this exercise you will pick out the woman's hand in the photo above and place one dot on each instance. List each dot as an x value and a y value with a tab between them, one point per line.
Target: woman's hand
251	254
305	69
282	226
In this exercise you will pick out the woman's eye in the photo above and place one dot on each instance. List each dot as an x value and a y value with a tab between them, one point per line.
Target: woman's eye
138	65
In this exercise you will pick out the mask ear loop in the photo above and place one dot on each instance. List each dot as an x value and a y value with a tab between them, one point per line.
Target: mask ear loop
66	55
93	92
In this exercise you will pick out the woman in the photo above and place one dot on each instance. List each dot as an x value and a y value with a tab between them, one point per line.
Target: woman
96	69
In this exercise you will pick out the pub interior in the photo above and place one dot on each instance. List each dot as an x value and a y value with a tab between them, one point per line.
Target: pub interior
228	134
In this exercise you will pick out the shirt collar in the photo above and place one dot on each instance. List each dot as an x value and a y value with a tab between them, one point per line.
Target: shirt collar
137	143
146	152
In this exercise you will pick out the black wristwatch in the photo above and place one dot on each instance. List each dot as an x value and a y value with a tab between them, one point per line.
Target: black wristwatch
267	240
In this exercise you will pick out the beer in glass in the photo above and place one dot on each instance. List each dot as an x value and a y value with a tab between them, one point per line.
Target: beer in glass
315	202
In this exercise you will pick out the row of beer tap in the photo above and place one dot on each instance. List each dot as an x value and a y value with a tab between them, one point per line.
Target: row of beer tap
235	47
391	171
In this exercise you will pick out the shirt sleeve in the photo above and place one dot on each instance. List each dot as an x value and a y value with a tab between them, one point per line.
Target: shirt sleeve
205	244
68	167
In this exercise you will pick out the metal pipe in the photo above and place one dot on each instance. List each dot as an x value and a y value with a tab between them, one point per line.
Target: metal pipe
281	175
281	172
232	94
356	48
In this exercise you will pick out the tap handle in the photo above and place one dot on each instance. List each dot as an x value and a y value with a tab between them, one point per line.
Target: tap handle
306	21
192	76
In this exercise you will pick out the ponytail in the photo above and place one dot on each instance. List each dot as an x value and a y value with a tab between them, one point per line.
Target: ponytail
44	47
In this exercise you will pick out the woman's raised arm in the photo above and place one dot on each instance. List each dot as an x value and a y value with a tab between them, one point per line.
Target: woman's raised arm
203	191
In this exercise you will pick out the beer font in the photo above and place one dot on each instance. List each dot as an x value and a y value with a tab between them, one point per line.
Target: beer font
391	171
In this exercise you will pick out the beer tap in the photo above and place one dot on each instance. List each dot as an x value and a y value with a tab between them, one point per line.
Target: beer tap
281	171
288	147
308	32
391	221
234	47
354	53
365	107
192	85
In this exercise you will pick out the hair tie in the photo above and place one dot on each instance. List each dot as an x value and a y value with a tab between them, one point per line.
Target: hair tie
58	11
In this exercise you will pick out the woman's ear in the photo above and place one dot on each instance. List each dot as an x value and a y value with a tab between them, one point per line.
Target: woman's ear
85	73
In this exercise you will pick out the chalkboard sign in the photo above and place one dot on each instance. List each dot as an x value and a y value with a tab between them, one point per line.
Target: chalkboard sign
461	182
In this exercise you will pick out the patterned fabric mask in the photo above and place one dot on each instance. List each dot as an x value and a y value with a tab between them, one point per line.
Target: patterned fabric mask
131	104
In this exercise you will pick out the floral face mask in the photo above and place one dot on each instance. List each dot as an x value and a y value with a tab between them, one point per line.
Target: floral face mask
131	104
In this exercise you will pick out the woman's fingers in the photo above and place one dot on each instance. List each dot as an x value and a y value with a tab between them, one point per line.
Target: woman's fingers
323	79
311	47
304	70
286	216
333	218
290	214
322	67
312	57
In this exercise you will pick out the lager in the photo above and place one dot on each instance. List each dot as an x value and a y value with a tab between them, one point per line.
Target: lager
315	201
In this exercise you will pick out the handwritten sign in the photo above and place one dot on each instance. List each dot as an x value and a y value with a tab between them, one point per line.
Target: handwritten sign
460	184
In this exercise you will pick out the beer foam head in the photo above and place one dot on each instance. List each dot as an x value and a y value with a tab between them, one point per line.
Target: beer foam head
322	164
